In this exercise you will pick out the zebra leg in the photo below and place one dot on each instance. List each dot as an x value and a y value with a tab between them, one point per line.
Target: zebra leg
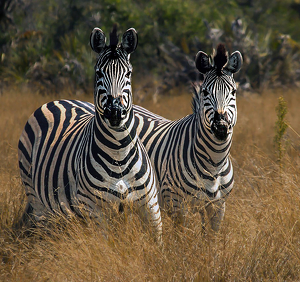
173	204
150	214
179	213
95	209
215	213
26	218
33	214
203	223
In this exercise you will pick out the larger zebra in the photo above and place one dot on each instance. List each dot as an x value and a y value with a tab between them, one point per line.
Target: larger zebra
77	157
191	155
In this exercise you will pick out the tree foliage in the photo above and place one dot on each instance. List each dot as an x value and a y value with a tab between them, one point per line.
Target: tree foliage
47	42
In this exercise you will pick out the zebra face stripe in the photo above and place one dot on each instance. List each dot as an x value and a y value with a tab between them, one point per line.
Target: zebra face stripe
113	97
219	110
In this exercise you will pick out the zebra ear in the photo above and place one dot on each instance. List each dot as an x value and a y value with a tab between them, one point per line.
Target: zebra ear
130	40
97	40
202	62
234	63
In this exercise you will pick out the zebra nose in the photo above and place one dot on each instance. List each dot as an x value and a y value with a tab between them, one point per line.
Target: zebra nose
220	126
220	116
114	111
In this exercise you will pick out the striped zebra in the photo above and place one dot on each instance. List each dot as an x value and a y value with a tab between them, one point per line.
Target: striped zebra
191	155
75	157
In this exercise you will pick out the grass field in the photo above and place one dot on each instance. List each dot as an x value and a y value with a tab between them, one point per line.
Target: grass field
259	239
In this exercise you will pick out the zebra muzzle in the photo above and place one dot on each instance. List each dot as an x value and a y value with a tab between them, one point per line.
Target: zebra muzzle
114	112
220	126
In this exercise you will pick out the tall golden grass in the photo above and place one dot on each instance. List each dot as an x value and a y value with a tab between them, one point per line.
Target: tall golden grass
259	239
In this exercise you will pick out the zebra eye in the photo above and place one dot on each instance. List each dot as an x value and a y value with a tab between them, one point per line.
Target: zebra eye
128	74
205	93
233	92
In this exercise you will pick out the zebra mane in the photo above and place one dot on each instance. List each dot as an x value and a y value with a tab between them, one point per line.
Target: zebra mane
196	88
221	58
114	40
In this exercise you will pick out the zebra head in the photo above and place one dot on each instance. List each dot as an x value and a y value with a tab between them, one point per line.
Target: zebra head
112	87
218	91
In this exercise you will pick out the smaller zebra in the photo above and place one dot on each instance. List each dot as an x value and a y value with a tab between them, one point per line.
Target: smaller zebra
75	157
191	155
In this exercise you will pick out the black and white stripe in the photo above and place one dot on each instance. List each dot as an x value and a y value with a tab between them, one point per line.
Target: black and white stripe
191	155
77	157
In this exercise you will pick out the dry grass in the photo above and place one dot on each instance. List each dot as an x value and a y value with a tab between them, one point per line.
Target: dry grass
259	238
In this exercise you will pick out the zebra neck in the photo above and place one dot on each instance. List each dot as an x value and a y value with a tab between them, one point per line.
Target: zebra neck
121	140
213	154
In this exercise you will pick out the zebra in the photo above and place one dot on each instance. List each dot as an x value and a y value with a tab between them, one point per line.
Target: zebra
191	155
78	158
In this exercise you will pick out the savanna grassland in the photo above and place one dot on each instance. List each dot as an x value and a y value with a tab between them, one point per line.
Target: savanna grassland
259	239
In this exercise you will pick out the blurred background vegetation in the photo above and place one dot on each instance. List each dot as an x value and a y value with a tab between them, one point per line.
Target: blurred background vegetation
45	44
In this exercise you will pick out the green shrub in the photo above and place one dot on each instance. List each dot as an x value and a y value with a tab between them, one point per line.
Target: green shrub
280	129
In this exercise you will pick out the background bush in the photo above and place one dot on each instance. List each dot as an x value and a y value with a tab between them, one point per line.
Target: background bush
46	43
